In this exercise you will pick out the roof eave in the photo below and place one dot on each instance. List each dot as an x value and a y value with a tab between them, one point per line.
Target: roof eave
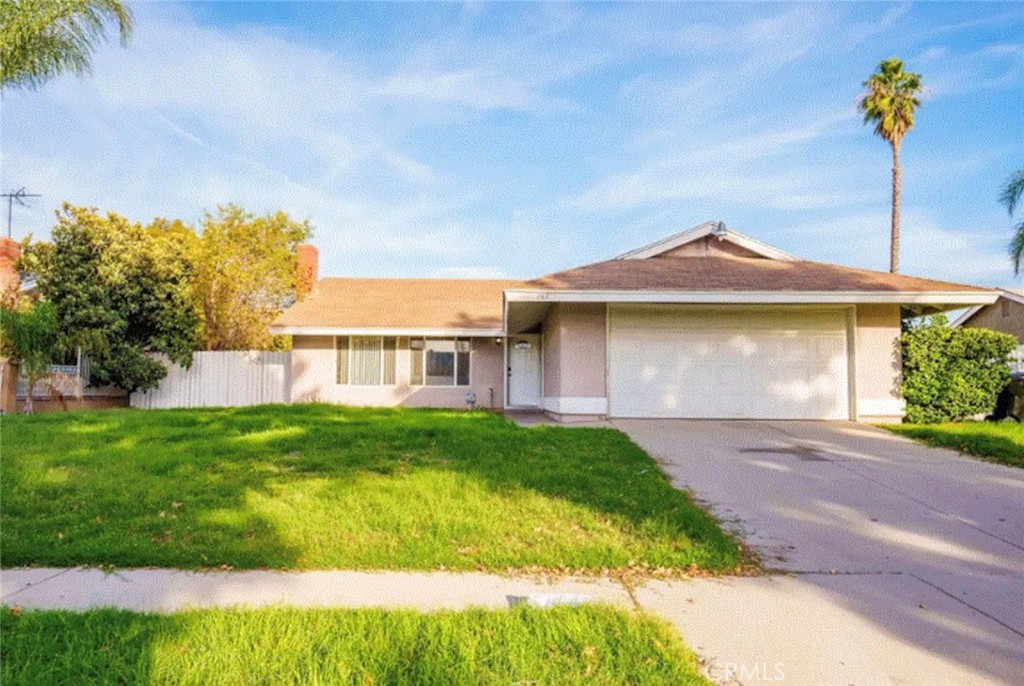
1012	296
285	330
735	297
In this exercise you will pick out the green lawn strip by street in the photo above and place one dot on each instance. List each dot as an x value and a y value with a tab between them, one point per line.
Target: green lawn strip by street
591	645
323	487
1001	442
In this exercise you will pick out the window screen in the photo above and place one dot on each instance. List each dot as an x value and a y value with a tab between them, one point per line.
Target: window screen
439	362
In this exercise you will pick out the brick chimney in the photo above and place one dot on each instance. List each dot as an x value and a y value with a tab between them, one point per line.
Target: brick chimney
10	251
308	267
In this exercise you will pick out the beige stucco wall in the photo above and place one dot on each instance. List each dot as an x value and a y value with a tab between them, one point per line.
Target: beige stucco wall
551	345
877	363
313	375
574	359
991	317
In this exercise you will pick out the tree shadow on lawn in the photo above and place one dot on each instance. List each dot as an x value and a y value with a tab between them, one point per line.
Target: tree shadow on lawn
320	486
586	645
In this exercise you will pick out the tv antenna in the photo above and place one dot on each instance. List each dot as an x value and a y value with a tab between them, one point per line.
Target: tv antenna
17	196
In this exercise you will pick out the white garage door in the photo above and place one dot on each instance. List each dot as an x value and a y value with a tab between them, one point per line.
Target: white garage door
669	361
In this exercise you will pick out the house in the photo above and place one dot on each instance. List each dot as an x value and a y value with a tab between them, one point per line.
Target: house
708	323
1006	314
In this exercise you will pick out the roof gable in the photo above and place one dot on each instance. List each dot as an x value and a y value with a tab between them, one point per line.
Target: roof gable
1015	295
699	241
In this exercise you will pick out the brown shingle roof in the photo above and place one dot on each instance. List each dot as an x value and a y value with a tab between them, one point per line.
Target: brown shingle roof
468	304
734	274
400	304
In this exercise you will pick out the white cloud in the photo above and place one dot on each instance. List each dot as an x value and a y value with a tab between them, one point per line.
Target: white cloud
991	68
971	254
520	141
471	272
728	171
475	88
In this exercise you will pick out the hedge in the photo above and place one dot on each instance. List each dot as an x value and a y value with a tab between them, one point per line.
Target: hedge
952	373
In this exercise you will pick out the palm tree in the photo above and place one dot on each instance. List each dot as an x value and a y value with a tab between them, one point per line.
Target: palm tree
41	39
1011	197
890	103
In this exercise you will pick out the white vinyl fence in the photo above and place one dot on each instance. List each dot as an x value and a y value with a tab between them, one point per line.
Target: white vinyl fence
222	379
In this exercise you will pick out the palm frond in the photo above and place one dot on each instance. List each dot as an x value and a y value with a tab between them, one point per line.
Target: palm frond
1017	247
1013	191
40	39
891	100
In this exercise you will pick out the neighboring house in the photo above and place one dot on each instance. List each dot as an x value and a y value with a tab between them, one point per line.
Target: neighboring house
708	323
1006	314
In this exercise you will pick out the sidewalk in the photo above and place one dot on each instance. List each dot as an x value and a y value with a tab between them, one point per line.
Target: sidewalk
166	590
749	630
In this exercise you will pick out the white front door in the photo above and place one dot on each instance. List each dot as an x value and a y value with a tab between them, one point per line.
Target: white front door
524	371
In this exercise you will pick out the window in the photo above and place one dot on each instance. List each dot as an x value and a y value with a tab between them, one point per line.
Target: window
439	361
1005	308
365	360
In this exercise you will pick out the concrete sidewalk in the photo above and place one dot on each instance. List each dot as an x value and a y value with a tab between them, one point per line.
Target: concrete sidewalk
792	633
167	590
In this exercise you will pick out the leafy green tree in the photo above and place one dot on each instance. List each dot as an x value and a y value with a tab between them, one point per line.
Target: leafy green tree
41	39
1011	197
890	103
950	374
28	337
121	293
246	273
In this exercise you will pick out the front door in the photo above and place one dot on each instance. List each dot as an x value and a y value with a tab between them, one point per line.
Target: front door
524	371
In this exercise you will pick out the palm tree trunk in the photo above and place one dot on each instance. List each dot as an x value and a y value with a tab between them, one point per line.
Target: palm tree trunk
897	198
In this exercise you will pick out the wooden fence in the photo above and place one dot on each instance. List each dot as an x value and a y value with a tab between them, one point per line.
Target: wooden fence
222	379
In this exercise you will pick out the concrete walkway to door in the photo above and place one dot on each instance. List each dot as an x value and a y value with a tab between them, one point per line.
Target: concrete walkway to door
902	564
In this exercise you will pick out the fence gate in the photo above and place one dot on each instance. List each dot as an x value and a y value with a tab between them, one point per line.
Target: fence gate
222	379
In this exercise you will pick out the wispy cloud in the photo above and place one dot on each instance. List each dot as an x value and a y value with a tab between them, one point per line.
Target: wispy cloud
968	253
520	139
728	171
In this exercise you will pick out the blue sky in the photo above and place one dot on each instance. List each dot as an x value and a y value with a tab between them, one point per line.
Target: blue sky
515	139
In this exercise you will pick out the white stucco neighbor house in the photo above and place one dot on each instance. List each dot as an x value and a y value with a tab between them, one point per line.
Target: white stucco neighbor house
708	323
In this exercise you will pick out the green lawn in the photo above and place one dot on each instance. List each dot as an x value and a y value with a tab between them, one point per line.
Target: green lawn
318	487
1000	442
557	647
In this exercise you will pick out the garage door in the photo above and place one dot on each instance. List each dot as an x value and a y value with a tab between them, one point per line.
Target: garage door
669	361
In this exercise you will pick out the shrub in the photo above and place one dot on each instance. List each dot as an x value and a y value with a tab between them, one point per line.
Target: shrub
949	374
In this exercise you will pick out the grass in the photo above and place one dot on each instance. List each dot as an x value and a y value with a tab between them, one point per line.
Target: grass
1001	442
322	487
560	646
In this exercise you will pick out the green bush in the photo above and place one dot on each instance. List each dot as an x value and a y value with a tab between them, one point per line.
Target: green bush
949	374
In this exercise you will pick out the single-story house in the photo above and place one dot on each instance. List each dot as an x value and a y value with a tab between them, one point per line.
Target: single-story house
708	323
1006	314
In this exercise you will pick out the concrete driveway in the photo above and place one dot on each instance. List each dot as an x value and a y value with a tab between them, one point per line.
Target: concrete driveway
900	564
